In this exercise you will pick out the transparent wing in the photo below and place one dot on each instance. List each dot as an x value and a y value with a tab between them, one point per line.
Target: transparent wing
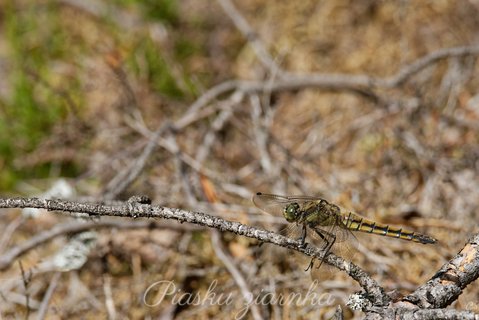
274	204
341	232
271	204
345	246
346	243
292	231
319	238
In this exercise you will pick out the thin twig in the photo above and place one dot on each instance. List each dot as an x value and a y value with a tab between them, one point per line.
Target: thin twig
181	172
216	126
9	230
235	273
9	257
110	305
26	278
203	100
172	148
42	312
409	70
262	135
251	36
126	178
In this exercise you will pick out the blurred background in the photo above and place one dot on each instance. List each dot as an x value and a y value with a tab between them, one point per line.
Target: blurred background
87	85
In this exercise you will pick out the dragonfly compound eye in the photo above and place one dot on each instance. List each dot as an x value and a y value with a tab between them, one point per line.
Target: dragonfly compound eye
291	212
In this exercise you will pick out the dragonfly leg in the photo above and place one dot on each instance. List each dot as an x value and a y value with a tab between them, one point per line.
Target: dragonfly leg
302	238
329	243
311	263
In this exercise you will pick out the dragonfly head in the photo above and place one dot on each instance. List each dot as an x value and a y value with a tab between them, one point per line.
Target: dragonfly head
291	212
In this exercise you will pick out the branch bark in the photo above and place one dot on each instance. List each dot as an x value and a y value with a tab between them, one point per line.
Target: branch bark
447	284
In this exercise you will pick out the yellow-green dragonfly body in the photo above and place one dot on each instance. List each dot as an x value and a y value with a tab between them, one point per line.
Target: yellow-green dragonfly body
328	223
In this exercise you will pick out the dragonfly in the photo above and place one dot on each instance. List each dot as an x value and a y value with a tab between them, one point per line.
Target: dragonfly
327	223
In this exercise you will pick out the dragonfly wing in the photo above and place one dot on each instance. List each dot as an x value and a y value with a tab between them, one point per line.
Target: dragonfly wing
346	244
320	238
270	204
303	198
292	231
342	234
321	271
274	204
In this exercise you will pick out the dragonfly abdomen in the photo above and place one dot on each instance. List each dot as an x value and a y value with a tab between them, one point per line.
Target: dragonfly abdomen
356	223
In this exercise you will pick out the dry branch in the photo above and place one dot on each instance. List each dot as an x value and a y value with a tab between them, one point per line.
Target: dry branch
447	284
138	210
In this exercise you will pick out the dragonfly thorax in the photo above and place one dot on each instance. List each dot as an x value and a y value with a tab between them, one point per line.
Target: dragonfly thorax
291	212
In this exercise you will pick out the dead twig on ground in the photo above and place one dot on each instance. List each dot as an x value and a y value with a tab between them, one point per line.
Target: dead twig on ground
42	312
125	178
332	81
252	37
235	273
